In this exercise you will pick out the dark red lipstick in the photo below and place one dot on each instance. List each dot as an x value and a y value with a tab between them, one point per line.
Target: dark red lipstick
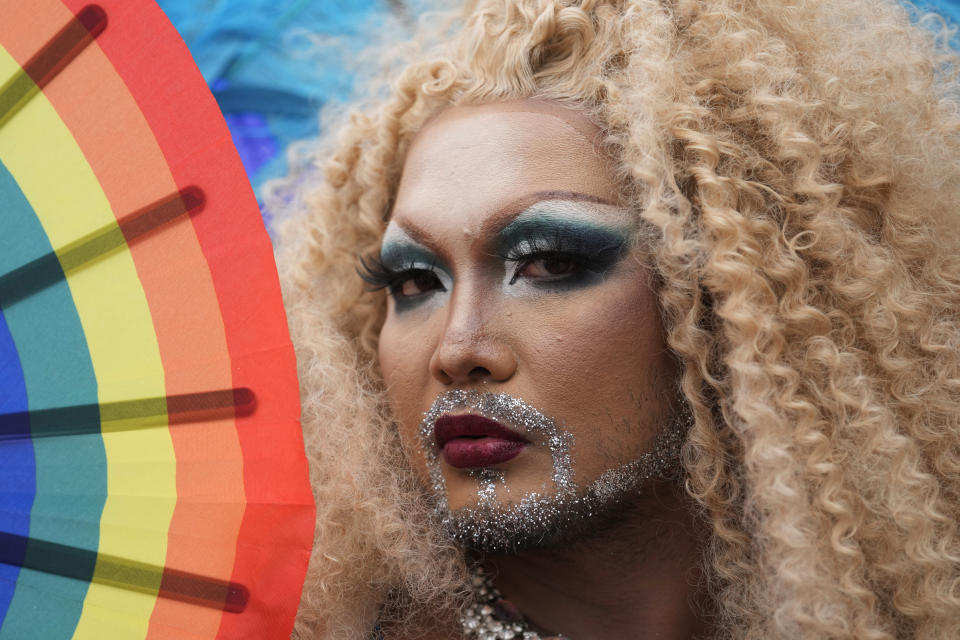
470	441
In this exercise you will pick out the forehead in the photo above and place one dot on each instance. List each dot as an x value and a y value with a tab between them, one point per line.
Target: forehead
470	162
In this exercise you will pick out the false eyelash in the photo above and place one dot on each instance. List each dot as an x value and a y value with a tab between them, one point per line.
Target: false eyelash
562	244
379	276
376	274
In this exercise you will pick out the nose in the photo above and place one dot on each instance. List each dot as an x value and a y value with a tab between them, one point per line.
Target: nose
472	347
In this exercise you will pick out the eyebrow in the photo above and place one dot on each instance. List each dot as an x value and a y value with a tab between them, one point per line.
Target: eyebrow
505	214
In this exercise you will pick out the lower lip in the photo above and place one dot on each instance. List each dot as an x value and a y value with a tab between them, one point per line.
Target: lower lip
480	452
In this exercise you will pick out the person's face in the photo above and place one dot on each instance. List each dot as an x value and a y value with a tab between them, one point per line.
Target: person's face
517	295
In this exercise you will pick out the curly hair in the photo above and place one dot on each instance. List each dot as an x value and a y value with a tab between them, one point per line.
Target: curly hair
799	160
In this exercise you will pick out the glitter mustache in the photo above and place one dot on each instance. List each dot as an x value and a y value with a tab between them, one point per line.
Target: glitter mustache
538	517
505	409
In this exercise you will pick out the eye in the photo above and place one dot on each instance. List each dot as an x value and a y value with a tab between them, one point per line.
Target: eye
406	284
415	282
563	258
548	265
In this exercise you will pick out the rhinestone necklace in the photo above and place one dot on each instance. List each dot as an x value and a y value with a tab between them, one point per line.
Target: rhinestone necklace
492	617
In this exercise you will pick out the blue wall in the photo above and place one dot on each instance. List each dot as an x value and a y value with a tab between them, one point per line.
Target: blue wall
273	63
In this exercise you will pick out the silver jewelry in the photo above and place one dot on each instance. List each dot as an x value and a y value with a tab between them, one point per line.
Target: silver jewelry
491	617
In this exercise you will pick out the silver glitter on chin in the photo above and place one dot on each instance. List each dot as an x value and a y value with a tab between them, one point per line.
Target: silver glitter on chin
510	411
538	519
487	479
661	461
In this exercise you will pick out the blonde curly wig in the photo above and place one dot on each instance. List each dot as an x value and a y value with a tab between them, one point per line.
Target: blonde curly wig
799	160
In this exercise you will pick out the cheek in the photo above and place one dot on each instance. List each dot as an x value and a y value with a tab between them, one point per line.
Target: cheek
404	356
393	353
608	339
604	366
404	350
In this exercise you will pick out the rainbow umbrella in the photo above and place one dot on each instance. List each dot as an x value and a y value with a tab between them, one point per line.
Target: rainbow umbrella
152	476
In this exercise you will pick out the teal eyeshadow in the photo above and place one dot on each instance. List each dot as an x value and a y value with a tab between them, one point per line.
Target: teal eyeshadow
398	256
600	246
586	234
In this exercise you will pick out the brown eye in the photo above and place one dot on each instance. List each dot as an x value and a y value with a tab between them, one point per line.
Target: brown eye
557	266
418	283
548	265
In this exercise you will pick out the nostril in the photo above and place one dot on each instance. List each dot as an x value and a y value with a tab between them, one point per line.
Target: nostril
479	372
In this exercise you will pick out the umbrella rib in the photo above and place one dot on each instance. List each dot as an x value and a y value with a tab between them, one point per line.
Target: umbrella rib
90	566
51	59
53	267
127	415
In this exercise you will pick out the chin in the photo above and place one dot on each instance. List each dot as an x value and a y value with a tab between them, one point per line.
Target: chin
541	521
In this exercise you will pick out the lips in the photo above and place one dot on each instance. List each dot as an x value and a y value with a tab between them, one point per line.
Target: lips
472	441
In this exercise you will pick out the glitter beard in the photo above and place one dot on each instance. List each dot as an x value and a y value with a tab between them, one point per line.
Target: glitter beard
537	520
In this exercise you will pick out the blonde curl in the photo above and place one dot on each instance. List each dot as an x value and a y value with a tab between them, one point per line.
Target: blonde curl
798	161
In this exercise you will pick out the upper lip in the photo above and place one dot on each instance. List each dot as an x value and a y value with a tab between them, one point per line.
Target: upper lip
450	426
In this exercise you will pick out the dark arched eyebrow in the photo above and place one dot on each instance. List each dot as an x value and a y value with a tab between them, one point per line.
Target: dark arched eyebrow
505	214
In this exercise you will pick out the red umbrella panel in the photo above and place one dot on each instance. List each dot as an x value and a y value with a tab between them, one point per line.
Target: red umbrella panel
153	482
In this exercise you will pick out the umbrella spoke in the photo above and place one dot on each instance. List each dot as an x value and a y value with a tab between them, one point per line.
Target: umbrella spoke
90	566
127	415
50	60
52	267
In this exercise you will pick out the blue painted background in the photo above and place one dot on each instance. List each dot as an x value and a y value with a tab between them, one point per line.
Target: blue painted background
273	63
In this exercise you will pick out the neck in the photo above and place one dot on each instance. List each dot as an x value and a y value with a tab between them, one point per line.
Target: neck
638	578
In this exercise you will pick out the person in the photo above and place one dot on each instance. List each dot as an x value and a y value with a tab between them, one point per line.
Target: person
636	319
